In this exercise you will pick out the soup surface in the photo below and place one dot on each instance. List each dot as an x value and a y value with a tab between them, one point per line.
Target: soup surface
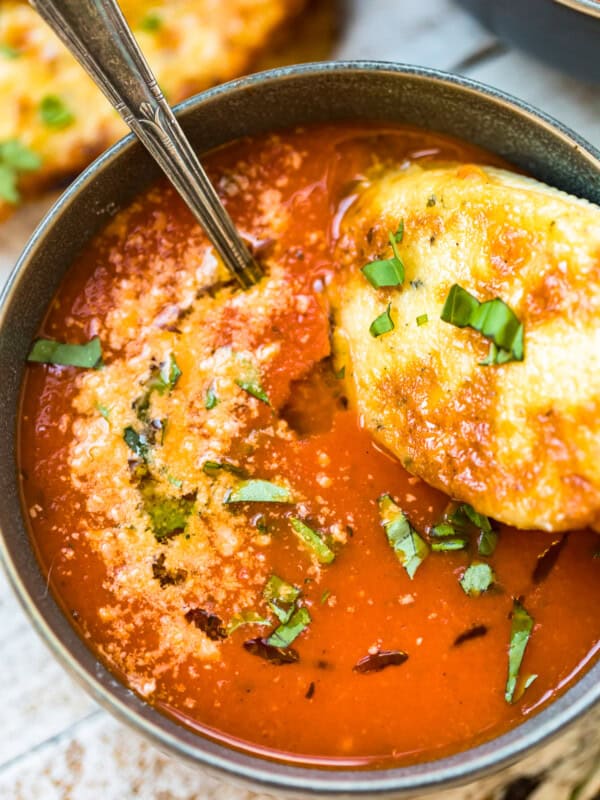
225	534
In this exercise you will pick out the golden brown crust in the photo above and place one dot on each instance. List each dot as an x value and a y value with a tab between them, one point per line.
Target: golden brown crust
520	442
190	44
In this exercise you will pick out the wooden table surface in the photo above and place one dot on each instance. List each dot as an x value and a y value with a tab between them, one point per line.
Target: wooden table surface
55	742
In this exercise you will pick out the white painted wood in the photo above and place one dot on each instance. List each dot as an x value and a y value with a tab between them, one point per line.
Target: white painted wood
55	743
572	102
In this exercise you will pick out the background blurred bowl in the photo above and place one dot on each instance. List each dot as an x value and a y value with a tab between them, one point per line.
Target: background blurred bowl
264	102
564	33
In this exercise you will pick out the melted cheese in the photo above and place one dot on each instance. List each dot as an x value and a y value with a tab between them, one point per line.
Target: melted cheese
520	442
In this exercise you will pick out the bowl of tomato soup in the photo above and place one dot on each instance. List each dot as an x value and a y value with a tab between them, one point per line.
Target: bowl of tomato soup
242	569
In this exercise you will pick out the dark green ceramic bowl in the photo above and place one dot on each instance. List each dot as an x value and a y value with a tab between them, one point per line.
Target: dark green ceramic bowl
269	101
563	33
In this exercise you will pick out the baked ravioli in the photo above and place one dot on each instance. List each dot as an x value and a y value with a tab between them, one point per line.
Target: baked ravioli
514	433
55	121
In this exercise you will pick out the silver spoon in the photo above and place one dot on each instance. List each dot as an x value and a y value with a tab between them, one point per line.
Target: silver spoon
97	34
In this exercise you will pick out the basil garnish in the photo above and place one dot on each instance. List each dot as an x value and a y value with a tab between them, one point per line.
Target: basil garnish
151	23
9	52
313	541
246	618
137	442
409	547
88	355
520	632
287	632
461	521
15	158
386	272
213	467
493	318
281	597
210	399
422	319
54	112
477	578
259	491
447	544
250	381
168	515
382	324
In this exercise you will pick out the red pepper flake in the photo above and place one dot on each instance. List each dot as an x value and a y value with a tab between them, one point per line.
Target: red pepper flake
375	662
275	655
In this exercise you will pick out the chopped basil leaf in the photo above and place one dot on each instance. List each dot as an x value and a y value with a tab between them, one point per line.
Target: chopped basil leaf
169	373
9	52
287	632
19	157
460	521
275	655
211	399
381	274
54	112
281	597
375	662
382	324
399	235
409	547
88	355
213	467
259	491
246	618
448	543
422	319
151	22
162	379
477	578
521	628
443	529
479	520
278	589
487	538
8	184
208	623
168	515
103	411
325	596
250	381
313	541
386	272
493	318
137	442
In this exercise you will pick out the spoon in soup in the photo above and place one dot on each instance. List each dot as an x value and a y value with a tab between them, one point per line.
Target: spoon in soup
97	34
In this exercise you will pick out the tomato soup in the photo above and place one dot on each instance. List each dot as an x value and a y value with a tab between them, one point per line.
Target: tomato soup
225	534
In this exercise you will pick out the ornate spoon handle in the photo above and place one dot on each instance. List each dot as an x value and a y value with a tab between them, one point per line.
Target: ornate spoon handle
97	34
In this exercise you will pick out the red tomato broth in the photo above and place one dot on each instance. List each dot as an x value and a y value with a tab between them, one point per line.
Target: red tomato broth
444	698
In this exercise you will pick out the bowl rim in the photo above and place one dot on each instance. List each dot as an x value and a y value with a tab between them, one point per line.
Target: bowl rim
200	750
